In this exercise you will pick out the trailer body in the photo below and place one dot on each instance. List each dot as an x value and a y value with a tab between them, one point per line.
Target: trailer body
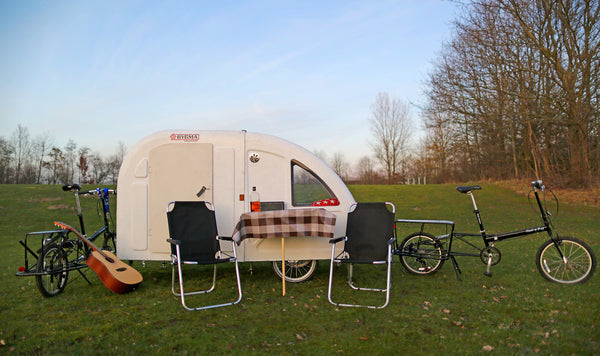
235	171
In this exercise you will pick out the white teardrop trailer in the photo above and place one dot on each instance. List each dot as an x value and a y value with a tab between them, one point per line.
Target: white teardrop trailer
230	169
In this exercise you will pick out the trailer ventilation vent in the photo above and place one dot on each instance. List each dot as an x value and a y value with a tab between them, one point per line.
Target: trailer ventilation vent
254	157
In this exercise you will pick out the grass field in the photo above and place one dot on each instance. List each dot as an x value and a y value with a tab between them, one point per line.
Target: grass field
514	312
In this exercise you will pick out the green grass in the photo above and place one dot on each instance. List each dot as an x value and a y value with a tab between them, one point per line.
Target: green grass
514	312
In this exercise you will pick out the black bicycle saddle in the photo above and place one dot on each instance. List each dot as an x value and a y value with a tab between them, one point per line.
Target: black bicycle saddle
469	188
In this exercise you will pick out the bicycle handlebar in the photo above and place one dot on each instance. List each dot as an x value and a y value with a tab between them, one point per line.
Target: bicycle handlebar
98	191
537	184
77	189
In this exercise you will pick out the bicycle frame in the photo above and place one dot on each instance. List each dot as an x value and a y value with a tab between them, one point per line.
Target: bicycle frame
488	239
103	196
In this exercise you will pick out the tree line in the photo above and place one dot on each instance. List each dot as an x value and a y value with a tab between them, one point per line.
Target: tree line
27	160
515	93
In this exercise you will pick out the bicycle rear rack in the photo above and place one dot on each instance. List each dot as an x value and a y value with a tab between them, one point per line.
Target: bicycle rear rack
44	238
447	253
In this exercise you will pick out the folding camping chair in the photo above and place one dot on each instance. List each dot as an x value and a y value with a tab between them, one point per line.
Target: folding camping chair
194	240
368	240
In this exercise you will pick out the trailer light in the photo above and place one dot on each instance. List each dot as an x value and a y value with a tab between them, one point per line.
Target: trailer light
255	206
21	269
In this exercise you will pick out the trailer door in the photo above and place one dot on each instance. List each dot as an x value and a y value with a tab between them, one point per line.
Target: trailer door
177	171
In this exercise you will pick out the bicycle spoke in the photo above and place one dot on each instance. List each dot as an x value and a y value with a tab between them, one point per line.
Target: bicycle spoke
421	254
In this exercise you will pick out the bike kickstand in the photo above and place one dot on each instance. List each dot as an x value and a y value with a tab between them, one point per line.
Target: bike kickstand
456	268
84	277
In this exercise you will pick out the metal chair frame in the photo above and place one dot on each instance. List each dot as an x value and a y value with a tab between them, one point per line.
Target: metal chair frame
220	257
344	257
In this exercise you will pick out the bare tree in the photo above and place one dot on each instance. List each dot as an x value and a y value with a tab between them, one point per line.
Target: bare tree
99	169
366	170
115	161
437	152
390	126
21	150
321	154
6	152
121	151
83	164
57	173
340	165
40	149
566	33
70	156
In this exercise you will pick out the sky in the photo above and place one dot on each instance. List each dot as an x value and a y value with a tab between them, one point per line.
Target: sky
104	72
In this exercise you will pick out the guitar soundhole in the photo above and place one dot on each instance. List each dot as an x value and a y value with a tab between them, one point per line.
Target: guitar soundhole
121	269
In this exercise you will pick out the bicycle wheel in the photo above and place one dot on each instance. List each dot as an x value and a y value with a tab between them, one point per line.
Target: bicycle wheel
420	253
296	271
578	265
53	264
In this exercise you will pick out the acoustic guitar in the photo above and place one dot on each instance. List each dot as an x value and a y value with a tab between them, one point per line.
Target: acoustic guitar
114	273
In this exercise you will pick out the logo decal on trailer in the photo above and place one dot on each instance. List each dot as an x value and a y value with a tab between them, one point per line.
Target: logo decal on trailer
185	137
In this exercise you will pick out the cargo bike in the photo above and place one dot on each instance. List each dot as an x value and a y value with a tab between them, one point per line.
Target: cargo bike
51	255
560	259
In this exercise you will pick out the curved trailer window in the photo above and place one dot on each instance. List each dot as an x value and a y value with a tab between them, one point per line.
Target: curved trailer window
308	189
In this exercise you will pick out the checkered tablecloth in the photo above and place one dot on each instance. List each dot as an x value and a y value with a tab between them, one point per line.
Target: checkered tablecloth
285	223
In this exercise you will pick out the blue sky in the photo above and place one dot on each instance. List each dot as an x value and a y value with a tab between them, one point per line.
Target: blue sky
100	72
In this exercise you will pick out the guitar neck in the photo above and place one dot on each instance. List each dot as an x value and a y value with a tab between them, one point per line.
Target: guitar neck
88	242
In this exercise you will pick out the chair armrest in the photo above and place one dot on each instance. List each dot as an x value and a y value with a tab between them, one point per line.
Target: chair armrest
335	240
174	242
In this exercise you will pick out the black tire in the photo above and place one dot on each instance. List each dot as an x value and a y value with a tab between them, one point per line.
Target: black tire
579	266
53	264
420	253
296	271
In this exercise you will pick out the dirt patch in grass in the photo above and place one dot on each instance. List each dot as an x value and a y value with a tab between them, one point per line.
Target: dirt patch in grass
59	206
49	199
581	196
43	200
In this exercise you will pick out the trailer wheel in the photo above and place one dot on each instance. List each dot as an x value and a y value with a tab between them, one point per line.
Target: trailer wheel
296	270
52	266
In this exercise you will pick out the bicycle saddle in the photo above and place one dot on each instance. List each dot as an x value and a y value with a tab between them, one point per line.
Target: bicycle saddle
73	186
468	188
